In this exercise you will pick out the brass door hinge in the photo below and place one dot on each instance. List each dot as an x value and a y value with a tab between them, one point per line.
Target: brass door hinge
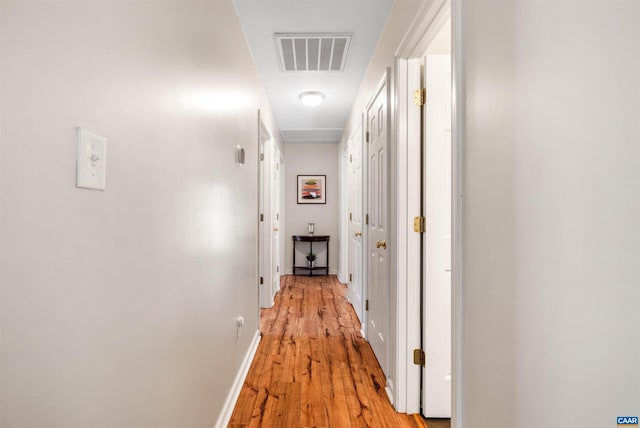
366	305
277	216
350	216
418	357
278	268
367	219
261	156
420	97
261	280
350	158
419	224
261	217
350	277
366	137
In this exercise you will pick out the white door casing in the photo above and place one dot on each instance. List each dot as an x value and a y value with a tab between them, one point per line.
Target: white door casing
355	229
407	242
378	286
436	400
269	219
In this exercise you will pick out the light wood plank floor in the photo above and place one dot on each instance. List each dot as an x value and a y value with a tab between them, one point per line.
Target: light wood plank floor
312	367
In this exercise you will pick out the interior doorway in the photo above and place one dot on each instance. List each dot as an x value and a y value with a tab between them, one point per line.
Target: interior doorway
426	214
269	219
356	291
377	223
275	168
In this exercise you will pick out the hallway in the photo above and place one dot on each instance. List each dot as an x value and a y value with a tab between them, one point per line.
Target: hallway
312	367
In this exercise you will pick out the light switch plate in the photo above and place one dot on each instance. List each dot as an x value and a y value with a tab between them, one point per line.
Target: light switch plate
92	160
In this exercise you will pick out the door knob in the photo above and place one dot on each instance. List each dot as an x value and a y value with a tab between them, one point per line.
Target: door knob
381	244
358	234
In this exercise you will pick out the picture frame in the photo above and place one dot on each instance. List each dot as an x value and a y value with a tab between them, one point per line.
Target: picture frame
312	189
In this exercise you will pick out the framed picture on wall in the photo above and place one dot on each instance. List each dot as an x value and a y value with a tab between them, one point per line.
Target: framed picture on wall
312	189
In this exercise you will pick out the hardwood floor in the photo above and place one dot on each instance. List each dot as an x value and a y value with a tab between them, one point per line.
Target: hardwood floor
312	367
439	423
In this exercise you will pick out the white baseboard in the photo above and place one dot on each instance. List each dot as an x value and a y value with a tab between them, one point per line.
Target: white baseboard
232	397
389	392
341	279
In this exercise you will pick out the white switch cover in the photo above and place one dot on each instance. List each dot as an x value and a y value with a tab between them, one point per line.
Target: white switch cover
92	160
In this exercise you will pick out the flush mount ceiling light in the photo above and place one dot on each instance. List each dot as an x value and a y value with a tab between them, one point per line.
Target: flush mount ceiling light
311	98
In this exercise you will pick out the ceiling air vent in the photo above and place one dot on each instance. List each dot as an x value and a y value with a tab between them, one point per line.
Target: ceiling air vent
312	51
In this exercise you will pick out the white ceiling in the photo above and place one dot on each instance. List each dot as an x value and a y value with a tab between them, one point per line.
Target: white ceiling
298	123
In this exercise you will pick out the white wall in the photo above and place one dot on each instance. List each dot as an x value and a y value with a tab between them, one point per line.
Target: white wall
117	308
311	159
551	244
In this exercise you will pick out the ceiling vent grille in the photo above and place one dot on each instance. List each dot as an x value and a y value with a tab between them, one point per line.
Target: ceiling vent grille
312	51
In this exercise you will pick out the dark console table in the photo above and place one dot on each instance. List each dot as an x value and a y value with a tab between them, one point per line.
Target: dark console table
311	239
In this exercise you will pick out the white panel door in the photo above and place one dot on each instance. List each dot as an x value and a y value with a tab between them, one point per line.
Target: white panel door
355	290
275	220
377	228
437	239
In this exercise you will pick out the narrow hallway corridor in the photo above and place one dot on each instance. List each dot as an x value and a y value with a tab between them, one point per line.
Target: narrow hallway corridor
312	367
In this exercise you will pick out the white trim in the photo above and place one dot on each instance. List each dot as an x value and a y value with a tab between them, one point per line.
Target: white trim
424	28
236	387
356	143
408	249
374	94
389	390
385	84
392	201
457	119
414	261
402	229
267	150
343	224
341	280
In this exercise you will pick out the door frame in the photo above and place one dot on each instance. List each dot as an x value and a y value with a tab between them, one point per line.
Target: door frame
409	202
275	205
264	221
343	227
358	136
457	156
421	33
